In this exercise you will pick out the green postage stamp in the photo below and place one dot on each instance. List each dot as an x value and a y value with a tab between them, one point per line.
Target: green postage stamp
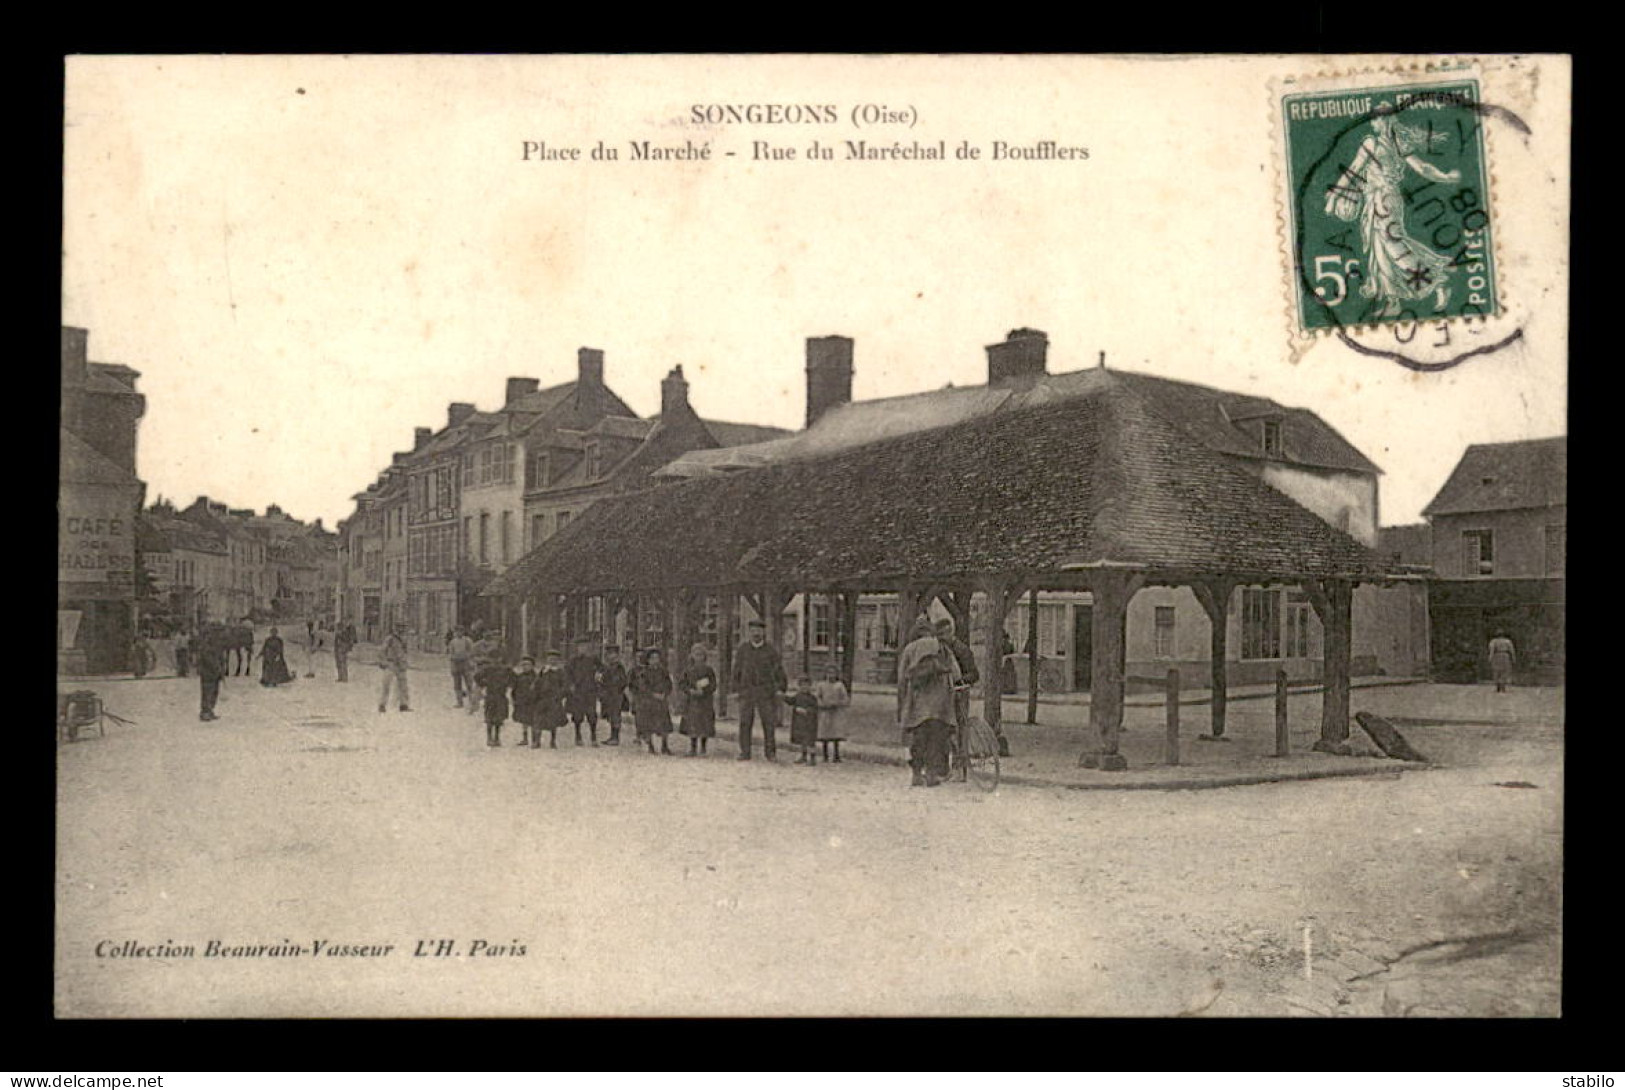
1389	220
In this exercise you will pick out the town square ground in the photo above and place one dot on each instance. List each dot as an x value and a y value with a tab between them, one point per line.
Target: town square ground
612	882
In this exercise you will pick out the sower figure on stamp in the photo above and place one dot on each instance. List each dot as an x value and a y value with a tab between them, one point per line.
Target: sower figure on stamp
758	678
612	682
926	676
582	672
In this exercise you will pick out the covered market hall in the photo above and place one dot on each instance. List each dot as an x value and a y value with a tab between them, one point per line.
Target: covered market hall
1093	488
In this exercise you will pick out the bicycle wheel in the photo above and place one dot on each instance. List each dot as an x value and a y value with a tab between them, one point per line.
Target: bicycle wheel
981	756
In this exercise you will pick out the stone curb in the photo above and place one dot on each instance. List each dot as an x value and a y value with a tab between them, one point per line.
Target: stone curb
1020	779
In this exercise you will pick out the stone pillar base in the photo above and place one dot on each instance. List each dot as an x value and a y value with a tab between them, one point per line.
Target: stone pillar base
1113	762
1336	749
1213	738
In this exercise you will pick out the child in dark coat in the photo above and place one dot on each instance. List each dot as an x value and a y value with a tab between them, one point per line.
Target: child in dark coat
496	679
804	721
612	682
524	698
552	690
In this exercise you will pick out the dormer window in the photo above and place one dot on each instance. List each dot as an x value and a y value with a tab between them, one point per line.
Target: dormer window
593	465
1272	438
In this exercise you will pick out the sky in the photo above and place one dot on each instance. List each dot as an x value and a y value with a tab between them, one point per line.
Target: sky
307	257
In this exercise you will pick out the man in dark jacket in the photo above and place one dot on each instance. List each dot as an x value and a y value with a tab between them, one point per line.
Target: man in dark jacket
758	678
343	643
969	676
612	682
211	667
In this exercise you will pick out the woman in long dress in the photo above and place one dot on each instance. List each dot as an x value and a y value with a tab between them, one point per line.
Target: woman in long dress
1399	269
273	661
699	687
651	694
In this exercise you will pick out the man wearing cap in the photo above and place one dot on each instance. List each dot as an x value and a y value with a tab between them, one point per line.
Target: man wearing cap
758	678
969	675
927	674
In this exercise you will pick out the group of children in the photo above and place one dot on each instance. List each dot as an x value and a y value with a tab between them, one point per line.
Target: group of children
587	688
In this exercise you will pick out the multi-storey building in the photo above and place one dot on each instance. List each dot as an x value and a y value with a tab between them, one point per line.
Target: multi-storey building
433	528
99	497
1499	530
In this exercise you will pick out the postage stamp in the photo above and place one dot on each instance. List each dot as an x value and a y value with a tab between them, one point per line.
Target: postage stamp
1387	217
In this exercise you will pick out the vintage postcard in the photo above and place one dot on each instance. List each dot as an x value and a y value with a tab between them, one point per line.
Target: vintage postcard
812	535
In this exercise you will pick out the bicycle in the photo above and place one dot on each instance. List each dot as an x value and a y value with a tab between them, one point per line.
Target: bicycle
976	747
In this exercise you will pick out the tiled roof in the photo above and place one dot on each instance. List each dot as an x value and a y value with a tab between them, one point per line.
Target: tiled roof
625	427
1506	477
1220	420
738	435
1103	477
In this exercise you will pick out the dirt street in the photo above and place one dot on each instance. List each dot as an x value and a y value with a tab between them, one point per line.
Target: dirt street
644	885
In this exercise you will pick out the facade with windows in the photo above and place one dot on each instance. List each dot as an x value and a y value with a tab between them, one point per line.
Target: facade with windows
1499	535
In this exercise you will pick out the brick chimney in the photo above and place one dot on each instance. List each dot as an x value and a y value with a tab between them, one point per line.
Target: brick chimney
674	394
1021	355
420	438
590	367
829	375
457	412
518	388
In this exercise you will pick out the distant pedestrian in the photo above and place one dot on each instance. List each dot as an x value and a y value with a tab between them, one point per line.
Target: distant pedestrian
393	661
273	662
651	695
141	656
1007	664
926	676
612	703
758	678
1502	657
699	689
211	667
183	653
485	650
804	721
496	682
313	643
582	673
460	654
833	700
343	644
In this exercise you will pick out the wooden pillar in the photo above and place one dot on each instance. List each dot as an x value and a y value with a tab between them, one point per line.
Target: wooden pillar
1032	656
806	632
1001	595
1214	596
727	622
774	599
1171	695
1111	589
1283	738
909	604
681	622
849	642
1333	600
